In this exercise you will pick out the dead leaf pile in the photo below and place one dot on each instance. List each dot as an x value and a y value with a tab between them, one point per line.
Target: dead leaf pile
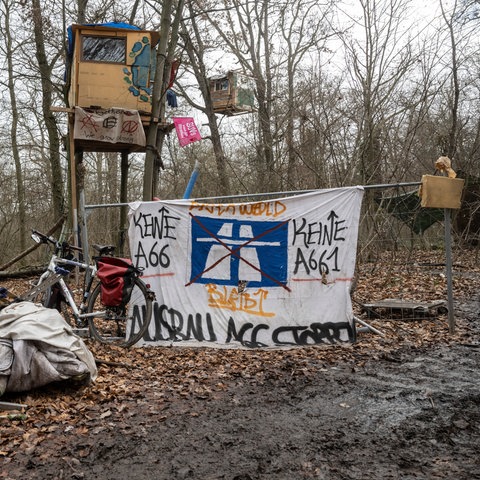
140	383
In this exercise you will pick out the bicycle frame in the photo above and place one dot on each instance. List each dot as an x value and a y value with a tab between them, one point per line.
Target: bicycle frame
54	275
117	324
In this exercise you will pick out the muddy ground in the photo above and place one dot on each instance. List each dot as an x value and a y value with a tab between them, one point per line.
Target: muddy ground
407	413
402	406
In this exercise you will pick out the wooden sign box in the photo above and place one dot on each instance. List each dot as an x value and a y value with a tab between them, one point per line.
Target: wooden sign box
441	192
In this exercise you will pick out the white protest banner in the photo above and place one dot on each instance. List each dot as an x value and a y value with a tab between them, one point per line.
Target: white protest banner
260	274
112	125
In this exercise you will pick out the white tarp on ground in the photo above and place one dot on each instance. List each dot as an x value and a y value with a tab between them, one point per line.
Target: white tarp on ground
273	273
38	347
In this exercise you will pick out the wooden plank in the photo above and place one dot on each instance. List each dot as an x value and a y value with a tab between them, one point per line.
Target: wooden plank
407	308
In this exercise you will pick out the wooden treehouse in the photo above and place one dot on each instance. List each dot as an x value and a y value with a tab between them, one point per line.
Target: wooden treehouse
232	94
109	80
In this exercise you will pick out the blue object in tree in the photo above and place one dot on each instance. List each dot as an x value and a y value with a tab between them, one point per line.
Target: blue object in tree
172	98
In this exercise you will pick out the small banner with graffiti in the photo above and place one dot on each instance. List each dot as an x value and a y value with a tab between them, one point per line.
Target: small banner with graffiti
263	274
112	125
187	131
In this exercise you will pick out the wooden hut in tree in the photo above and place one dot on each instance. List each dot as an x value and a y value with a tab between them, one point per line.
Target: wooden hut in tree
110	75
109	81
111	65
232	94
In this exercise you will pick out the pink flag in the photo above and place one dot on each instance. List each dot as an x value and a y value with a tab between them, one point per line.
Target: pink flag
187	131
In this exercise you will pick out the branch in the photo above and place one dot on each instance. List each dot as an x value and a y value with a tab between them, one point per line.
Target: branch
33	247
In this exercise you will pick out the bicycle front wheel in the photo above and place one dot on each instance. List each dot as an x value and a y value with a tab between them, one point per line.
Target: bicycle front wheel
52	297
123	325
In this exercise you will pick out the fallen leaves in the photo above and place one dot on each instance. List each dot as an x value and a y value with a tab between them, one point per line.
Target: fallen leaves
146	382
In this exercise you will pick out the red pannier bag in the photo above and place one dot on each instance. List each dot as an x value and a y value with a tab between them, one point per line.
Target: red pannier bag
117	277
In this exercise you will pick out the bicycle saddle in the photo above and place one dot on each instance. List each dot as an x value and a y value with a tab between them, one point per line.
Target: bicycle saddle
104	249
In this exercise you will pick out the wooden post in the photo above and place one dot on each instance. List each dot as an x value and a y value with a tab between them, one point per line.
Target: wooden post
73	179
448	261
123	199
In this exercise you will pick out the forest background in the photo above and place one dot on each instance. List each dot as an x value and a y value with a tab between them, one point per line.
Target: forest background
358	92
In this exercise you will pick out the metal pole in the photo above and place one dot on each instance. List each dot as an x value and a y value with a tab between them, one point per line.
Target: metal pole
300	192
73	187
193	179
83	226
448	255
269	194
73	180
365	324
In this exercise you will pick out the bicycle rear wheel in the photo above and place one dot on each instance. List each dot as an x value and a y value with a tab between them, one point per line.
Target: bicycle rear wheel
122	325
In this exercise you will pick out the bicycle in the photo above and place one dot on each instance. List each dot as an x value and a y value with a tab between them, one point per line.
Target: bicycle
122	322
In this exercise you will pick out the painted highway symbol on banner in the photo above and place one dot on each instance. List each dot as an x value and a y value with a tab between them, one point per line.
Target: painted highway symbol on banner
228	251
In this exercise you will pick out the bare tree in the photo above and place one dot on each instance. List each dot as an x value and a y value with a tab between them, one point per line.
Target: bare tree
45	68
379	68
461	33
194	43
246	30
9	52
165	51
303	26
271	41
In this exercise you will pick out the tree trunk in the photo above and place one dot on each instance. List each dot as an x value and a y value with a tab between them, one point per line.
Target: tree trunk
50	122
13	131
157	102
196	55
453	132
165	78
82	7
124	167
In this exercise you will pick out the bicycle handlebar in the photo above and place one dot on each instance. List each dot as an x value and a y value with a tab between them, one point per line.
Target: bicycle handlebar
42	238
